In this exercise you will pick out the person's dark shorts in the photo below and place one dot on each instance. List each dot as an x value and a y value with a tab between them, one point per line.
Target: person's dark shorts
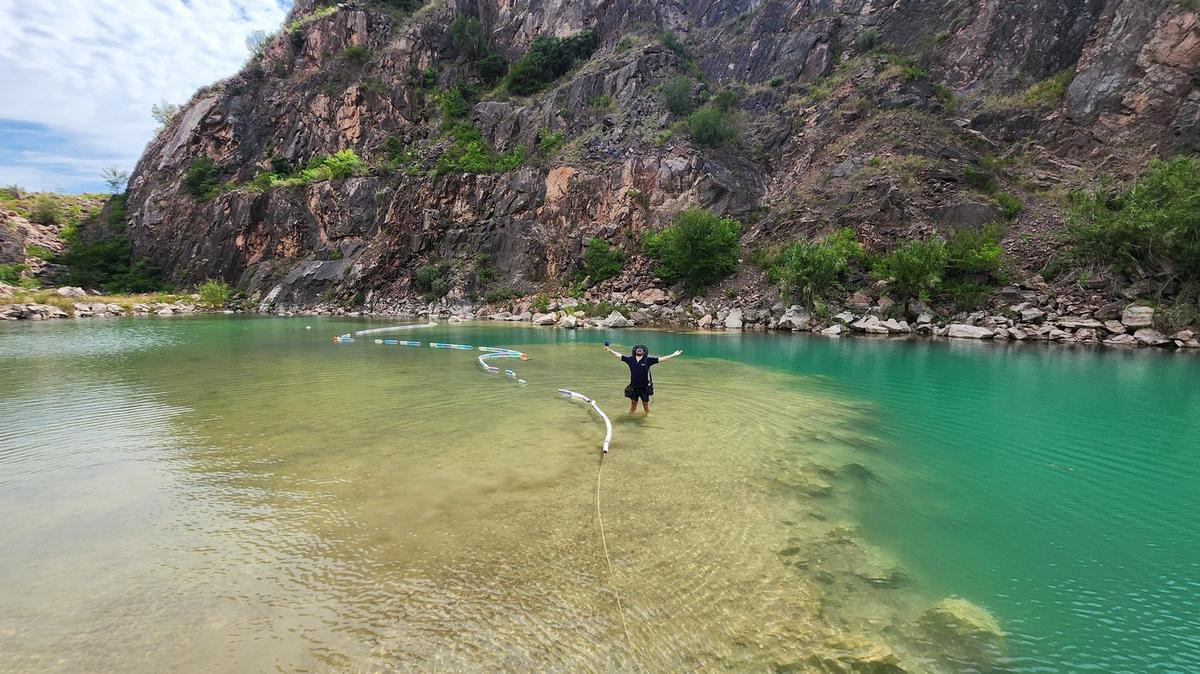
638	393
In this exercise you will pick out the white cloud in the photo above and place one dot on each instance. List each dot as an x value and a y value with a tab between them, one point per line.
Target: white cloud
91	70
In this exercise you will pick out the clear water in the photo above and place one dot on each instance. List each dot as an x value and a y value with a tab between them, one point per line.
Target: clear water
220	494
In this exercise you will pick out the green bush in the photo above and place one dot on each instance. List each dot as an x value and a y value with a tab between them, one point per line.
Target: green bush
467	37
455	107
809	270
430	282
548	59
697	249
677	95
11	273
214	294
601	102
777	81
357	55
671	41
726	100
45	210
1011	205
500	295
342	164
979	179
974	255
470	153
202	179
492	67
914	270
1155	223
867	40
549	142
601	261
712	126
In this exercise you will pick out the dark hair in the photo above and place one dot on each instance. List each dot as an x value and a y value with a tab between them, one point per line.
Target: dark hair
643	347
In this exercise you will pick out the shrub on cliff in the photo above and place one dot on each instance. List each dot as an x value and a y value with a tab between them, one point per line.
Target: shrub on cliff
214	294
548	59
697	249
470	153
601	261
429	282
201	179
1155	223
809	270
677	95
45	210
914	270
712	126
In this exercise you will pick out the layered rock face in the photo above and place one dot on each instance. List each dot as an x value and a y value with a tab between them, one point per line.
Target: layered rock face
830	135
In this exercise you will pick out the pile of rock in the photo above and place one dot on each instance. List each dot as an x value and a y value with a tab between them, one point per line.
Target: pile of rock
31	312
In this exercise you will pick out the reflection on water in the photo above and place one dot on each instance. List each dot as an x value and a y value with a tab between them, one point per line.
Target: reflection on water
243	495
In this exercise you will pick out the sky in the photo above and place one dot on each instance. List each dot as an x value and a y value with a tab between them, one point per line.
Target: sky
78	78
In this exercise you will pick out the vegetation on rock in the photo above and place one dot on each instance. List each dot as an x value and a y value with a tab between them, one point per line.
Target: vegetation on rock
601	261
697	249
548	59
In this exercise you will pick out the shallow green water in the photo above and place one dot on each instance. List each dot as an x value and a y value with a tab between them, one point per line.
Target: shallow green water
218	494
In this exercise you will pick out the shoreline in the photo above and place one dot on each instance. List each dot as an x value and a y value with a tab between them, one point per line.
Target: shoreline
1073	330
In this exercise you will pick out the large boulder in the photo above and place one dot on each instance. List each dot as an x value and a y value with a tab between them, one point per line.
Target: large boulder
1136	316
705	321
67	291
568	321
795	319
870	325
616	320
545	319
1151	337
653	296
962	331
733	321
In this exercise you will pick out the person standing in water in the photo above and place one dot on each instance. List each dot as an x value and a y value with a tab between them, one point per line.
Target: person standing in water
641	386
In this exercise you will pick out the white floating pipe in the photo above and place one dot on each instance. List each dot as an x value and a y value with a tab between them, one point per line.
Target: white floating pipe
373	331
579	397
460	347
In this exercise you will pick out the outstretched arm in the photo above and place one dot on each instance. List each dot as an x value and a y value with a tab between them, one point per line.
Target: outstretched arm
614	353
678	352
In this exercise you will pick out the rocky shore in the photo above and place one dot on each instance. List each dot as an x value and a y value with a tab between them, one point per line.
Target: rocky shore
1017	313
70	302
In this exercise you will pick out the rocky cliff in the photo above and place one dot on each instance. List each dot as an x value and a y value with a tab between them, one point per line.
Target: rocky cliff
858	113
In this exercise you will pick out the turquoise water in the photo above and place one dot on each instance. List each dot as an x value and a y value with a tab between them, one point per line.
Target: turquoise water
173	469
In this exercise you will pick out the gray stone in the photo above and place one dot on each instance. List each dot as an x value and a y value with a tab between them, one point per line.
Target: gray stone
1122	340
1136	316
733	321
653	296
1032	315
870	325
1151	337
568	321
1115	327
616	320
545	319
705	321
897	327
1077	323
795	319
961	331
833	330
67	291
844	317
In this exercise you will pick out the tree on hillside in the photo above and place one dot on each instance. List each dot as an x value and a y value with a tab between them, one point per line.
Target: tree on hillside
114	178
256	40
163	112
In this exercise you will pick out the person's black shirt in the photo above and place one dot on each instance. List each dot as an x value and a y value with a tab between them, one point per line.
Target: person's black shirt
639	371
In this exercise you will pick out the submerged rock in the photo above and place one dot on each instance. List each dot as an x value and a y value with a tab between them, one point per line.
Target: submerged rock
963	631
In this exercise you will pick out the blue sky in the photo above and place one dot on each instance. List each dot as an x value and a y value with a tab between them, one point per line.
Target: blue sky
78	77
